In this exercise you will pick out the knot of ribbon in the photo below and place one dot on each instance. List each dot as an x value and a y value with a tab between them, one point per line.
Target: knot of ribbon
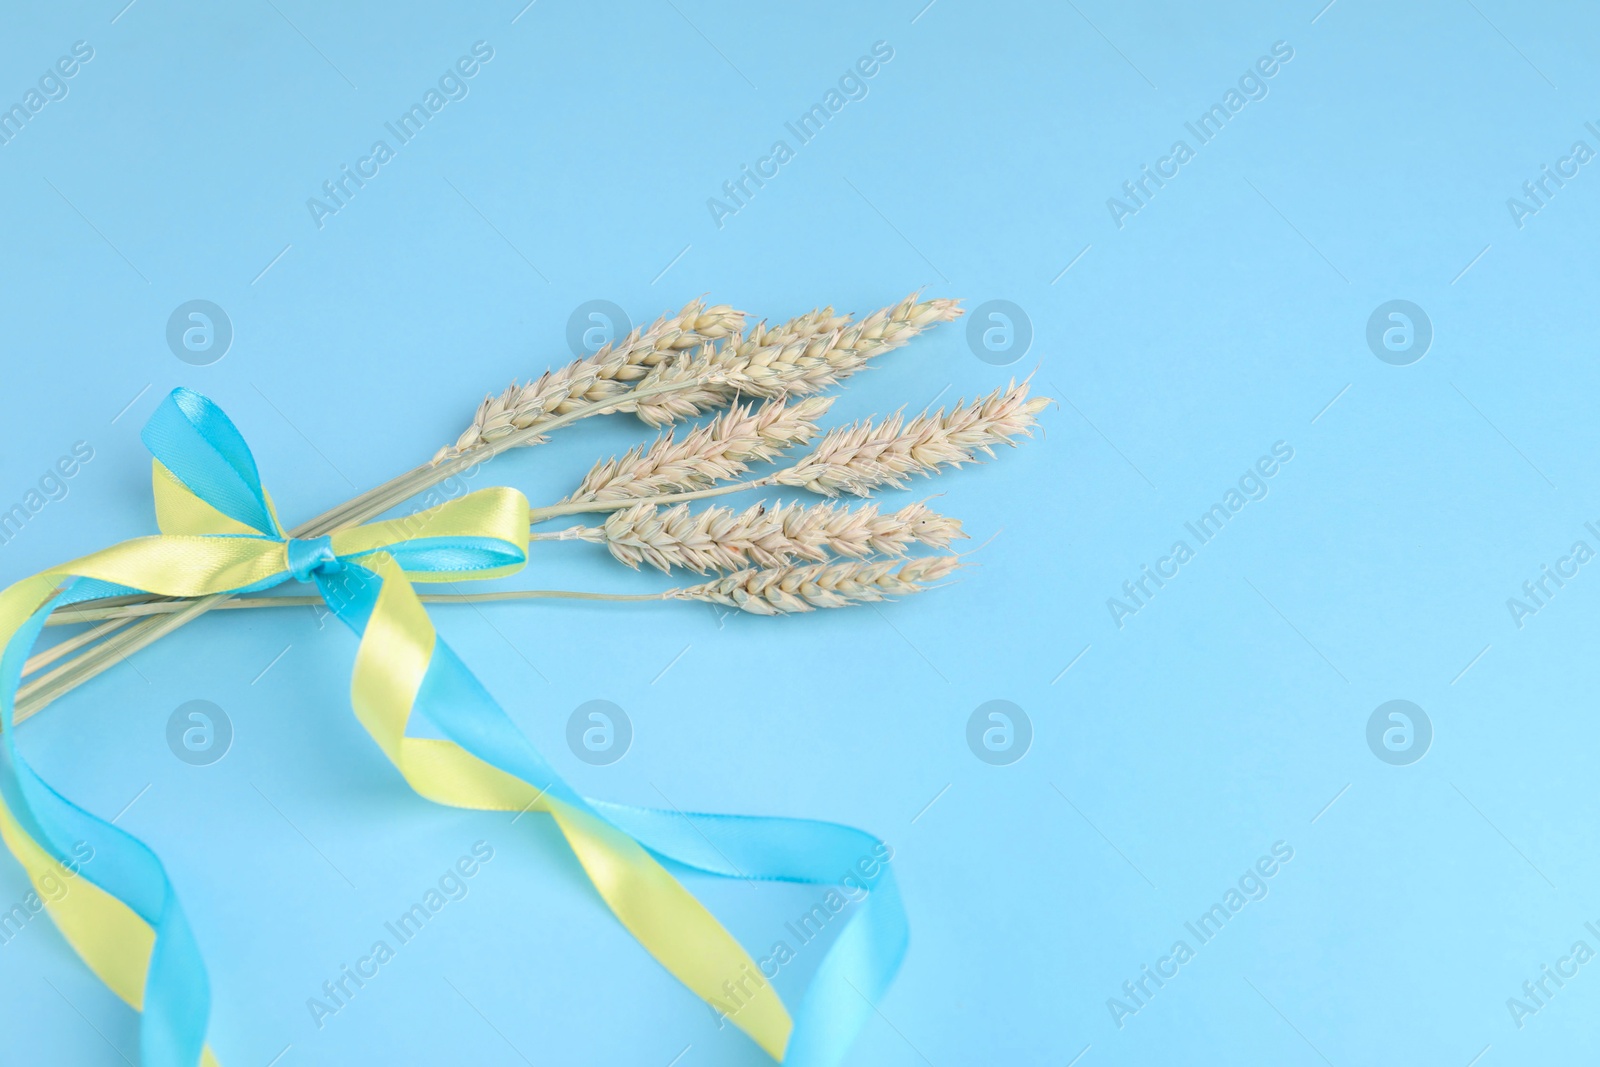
312	556
220	534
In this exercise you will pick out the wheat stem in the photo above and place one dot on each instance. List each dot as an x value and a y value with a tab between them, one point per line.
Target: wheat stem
398	490
62	648
69	617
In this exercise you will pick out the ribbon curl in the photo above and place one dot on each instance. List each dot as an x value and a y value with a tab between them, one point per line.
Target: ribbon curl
220	534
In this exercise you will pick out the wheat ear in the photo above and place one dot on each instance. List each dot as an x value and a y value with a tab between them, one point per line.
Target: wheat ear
865	455
723	448
787	363
611	371
806	587
724	539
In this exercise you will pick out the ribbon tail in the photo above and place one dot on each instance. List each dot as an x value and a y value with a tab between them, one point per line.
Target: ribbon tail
402	668
861	963
105	890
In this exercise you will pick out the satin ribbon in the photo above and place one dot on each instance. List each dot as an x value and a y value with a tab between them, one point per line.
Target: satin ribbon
220	533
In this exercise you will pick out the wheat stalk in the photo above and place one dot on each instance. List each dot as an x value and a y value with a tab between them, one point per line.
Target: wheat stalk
785	362
724	539
723	448
764	591
806	587
816	586
611	371
678	354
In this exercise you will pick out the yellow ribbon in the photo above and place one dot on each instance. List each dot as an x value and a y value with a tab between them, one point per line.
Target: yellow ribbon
202	551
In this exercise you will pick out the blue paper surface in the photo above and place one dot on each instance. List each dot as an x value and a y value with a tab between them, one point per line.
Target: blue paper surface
1230	316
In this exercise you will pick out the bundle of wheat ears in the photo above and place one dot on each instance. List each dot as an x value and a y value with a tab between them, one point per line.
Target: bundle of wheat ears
768	558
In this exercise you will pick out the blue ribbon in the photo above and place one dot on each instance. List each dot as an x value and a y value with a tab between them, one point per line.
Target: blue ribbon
197	442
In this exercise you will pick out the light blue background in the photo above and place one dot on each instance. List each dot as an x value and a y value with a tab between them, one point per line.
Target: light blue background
1223	317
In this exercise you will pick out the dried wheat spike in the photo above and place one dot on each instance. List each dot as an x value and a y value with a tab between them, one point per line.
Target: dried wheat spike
777	590
723	539
786	362
865	455
723	448
609	373
703	371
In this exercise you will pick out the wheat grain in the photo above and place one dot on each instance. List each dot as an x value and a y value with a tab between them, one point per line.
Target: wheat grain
724	539
787	361
611	371
806	587
865	455
723	448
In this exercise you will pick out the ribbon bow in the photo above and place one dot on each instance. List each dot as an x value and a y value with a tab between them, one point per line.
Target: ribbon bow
220	534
